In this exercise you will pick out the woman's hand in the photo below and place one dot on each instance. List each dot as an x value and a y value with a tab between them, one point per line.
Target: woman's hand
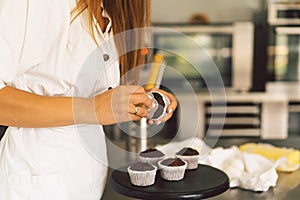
170	109
121	104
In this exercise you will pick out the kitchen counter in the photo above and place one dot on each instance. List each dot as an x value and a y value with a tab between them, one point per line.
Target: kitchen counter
288	184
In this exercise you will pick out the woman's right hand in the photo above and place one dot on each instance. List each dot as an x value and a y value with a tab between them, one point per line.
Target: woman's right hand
121	104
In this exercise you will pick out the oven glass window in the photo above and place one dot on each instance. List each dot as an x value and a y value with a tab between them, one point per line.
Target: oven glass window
217	46
284	57
289	14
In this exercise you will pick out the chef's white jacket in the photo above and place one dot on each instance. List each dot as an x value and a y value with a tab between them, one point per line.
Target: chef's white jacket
42	53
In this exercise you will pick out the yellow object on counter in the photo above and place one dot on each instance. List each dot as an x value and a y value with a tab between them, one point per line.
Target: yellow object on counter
287	159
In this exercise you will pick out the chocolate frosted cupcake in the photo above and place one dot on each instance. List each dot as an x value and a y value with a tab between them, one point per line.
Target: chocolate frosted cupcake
190	155
151	156
142	174
172	169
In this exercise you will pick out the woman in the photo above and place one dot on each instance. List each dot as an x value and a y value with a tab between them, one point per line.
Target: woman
44	99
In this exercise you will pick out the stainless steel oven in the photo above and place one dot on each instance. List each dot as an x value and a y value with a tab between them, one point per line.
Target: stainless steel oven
229	45
283	13
284	57
284	53
231	48
284	42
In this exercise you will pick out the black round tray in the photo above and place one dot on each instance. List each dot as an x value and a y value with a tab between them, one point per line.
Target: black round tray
203	182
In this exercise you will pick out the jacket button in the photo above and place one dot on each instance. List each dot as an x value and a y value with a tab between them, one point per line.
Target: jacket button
105	57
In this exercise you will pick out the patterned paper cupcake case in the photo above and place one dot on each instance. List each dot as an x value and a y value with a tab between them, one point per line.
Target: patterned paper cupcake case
172	173
192	161
142	178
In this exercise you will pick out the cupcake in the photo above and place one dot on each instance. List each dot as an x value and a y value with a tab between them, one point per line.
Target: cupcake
160	102
172	169
142	174
190	155
151	156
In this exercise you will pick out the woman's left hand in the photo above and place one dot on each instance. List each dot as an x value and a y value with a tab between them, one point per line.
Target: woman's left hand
170	109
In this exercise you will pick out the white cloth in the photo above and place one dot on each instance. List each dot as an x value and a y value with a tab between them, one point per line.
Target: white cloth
245	170
40	52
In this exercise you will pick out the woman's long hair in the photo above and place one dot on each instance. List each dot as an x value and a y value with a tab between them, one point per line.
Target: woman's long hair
125	15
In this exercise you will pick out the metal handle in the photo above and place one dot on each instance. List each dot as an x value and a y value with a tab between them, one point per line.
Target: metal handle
288	30
195	29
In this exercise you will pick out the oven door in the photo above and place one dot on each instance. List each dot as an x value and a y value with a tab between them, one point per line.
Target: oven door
230	46
284	13
284	54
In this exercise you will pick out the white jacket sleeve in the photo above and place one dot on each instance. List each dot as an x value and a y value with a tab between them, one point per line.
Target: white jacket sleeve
28	32
12	32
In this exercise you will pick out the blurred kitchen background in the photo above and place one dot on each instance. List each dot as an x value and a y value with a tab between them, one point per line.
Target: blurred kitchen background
255	45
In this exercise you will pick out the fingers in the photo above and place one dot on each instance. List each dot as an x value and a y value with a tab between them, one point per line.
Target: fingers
141	112
173	104
140	98
173	101
139	89
134	117
163	120
136	94
138	111
135	101
133	109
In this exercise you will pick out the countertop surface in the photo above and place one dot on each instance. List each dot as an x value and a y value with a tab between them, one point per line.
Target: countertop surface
288	184
287	188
